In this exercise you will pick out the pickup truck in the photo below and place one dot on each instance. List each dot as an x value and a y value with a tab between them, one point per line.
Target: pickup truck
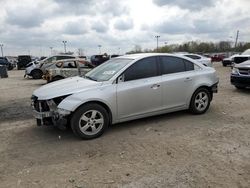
242	57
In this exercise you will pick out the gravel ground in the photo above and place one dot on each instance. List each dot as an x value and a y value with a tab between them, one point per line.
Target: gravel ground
172	150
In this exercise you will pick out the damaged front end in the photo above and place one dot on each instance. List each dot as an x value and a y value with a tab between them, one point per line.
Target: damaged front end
47	112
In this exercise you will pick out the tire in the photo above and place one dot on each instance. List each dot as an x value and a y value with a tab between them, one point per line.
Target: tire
200	101
84	121
240	87
36	74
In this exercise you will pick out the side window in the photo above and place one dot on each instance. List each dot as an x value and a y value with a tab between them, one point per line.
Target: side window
172	65
69	64
144	68
189	65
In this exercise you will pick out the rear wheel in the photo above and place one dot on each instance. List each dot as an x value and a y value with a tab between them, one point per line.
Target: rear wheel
200	101
89	121
37	74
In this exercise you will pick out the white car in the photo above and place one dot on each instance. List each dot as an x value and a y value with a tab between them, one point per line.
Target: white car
36	69
199	58
125	88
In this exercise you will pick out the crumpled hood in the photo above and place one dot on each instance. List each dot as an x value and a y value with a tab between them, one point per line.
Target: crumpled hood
64	87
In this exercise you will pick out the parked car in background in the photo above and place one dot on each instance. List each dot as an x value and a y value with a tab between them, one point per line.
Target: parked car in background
67	68
42	58
97	60
242	57
125	88
36	69
217	57
199	58
229	60
5	62
23	60
240	76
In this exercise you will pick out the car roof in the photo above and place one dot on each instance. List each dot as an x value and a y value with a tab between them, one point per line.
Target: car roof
142	55
76	59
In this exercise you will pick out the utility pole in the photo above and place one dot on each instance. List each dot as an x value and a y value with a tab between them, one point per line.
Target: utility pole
236	40
1	45
99	46
64	43
157	42
51	48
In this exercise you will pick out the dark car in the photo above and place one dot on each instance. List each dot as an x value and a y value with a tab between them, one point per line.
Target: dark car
23	60
42	58
240	76
96	60
217	57
4	61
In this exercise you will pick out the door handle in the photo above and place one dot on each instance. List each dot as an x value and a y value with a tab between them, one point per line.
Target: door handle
155	86
188	79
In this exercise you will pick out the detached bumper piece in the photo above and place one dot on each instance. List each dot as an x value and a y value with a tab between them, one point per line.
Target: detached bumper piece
46	115
240	81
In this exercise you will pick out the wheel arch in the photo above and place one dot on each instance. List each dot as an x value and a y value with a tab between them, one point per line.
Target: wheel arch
209	88
101	103
36	70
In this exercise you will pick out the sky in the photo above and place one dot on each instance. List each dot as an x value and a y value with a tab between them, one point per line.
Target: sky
33	26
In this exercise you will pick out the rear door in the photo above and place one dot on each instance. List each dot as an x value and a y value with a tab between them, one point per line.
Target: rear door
177	80
140	92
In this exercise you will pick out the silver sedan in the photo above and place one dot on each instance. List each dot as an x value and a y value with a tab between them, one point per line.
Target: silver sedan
125	88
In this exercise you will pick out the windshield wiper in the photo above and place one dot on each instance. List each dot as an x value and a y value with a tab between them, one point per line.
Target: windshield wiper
90	78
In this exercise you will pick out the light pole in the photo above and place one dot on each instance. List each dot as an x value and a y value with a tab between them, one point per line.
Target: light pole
64	43
157	42
99	46
236	39
1	45
51	48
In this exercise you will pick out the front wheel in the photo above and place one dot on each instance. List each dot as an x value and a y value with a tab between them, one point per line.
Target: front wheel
36	74
89	121
200	101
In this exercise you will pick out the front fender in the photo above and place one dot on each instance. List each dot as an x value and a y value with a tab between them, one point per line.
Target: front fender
105	95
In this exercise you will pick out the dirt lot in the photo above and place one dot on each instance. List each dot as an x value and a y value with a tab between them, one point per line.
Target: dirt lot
173	150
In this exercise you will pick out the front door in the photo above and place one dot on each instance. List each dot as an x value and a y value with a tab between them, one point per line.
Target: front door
140	92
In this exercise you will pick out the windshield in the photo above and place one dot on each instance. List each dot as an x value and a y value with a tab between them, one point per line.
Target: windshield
108	69
247	52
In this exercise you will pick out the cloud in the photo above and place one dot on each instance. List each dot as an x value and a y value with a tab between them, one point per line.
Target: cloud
173	26
91	7
100	27
123	24
36	24
186	4
77	27
25	16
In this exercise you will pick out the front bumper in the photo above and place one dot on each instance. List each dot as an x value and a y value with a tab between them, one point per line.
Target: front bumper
47	113
241	81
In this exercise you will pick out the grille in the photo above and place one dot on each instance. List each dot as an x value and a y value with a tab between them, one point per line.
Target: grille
40	105
244	71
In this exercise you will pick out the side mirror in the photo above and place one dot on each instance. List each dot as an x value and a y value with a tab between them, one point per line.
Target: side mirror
120	79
